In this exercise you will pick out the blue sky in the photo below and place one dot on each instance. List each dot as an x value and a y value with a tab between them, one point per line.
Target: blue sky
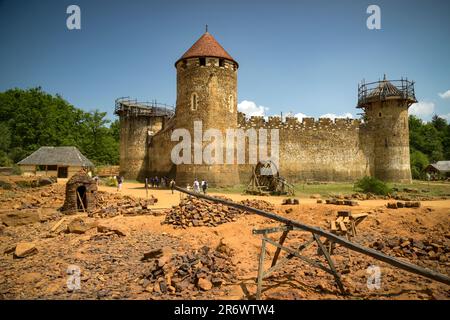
304	57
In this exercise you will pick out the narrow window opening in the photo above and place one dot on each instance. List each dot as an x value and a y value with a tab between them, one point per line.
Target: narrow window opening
385	142
194	102
221	63
379	114
202	61
231	103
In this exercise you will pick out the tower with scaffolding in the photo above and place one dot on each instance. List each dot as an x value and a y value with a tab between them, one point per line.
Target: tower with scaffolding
385	104
139	121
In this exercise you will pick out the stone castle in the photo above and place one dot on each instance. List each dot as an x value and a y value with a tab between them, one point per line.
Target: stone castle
310	150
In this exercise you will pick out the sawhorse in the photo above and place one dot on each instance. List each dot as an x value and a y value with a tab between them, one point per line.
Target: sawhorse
291	254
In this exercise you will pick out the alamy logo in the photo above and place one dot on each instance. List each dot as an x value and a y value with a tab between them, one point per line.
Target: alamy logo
374	279
374	20
230	149
73	280
74	20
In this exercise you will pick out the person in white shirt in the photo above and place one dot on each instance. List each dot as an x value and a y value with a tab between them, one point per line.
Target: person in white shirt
196	186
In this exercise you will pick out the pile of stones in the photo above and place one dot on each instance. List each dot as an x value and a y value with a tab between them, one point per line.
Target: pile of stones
289	201
258	204
125	205
406	204
340	202
203	269
429	249
192	212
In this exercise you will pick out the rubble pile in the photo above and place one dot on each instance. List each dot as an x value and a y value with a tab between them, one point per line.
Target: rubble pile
258	204
32	198
406	204
340	202
197	270
290	201
109	205
430	249
20	182
192	212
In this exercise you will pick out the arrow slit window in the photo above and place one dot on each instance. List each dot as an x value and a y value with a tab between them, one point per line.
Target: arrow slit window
231	103
194	101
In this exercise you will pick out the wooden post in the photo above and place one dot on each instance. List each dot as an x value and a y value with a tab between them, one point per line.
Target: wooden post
260	269
146	188
81	201
277	252
330	263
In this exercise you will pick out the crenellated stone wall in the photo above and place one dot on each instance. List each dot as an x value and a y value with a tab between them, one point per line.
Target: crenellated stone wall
320	150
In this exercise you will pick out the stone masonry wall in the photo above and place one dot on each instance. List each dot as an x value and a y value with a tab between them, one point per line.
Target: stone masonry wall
320	150
134	133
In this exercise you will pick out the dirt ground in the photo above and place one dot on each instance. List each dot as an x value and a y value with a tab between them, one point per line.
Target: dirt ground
111	265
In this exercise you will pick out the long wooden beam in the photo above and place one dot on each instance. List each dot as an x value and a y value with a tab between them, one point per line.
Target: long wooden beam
430	274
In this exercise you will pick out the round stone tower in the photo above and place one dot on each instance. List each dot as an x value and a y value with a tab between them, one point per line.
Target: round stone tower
206	98
139	121
385	104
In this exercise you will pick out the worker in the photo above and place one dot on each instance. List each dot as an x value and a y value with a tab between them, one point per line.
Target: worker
172	185
196	186
119	182
204	186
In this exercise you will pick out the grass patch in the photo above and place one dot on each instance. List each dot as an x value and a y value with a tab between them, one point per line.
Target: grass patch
434	189
324	189
372	185
425	188
237	189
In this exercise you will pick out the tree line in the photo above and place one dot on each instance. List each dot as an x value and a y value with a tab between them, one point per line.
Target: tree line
33	118
429	142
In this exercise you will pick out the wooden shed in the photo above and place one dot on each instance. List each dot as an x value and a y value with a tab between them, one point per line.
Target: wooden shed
60	162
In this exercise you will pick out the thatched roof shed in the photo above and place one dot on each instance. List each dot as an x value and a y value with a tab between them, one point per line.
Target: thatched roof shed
62	162
60	156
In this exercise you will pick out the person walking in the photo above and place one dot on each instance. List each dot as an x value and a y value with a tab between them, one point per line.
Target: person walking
204	186
172	185
196	186
119	182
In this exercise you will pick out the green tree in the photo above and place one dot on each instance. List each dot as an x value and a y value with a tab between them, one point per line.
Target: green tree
429	142
33	118
419	161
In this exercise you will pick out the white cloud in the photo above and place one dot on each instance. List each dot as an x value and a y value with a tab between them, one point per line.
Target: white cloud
445	116
445	95
422	108
300	116
334	116
251	109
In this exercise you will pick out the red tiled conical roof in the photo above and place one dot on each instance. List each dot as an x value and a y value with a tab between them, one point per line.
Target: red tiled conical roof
206	46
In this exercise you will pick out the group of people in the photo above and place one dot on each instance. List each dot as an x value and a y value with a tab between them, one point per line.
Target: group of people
156	183
197	185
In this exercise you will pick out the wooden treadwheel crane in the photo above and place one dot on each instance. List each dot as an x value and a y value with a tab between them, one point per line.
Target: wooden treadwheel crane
266	180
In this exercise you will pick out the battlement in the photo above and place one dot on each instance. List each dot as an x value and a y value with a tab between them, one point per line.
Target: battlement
275	122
